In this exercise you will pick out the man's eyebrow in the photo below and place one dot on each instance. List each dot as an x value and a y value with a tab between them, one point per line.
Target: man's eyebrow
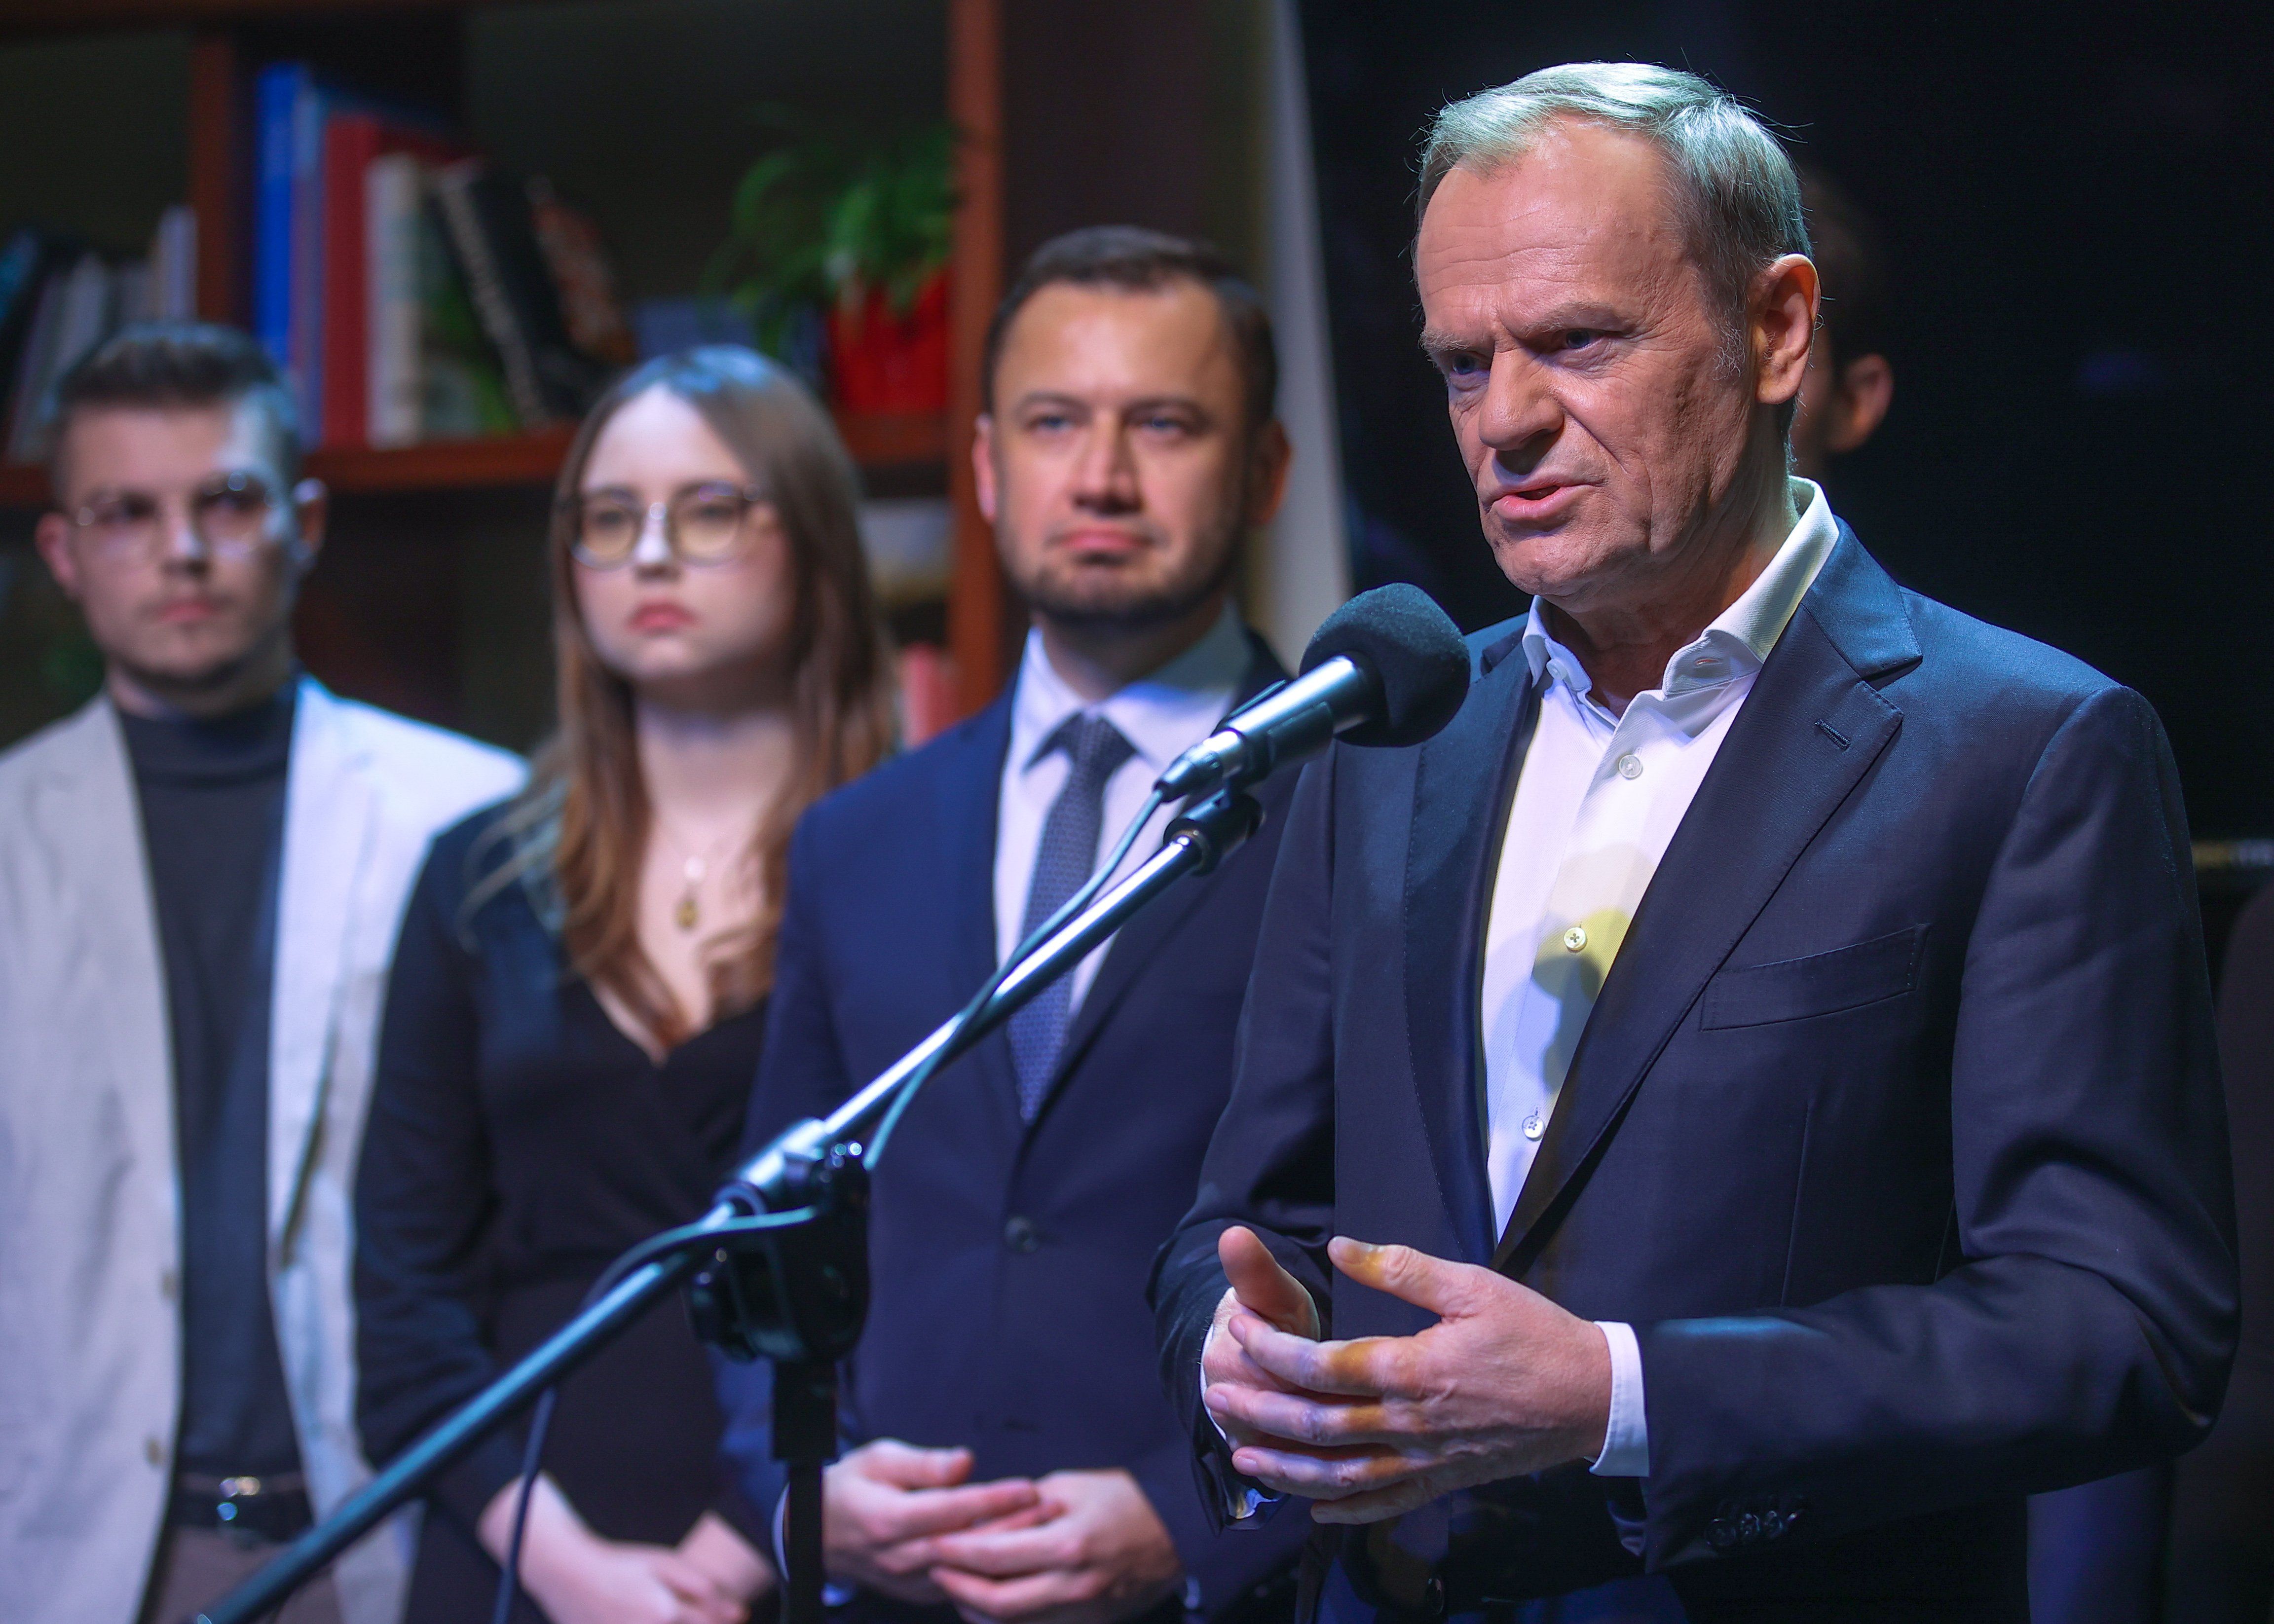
1047	397
1155	402
1576	313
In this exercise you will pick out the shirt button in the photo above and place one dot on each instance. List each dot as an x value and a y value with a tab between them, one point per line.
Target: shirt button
165	1285
1019	1235
1575	939
1533	1127
154	1451
1630	765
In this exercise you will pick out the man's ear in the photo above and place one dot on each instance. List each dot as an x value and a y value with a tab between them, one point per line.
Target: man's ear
983	462
52	536
1271	456
1860	398
312	511
1783	326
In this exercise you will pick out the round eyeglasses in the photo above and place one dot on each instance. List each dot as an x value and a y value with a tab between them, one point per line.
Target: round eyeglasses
228	515
702	525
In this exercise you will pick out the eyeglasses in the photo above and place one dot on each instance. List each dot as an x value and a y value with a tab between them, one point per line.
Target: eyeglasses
228	515
702	525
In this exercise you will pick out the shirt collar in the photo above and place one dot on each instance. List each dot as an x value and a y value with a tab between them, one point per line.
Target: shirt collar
1163	714
1739	640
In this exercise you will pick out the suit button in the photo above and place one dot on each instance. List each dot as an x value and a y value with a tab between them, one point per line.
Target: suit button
1019	1235
1772	1524
1719	1535
1749	1529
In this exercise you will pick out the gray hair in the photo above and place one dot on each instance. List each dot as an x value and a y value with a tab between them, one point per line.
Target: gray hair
1738	197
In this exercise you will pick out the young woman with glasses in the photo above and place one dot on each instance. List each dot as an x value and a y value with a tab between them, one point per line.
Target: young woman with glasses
574	1017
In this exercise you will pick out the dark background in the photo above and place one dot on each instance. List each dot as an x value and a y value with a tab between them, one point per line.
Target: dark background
2073	201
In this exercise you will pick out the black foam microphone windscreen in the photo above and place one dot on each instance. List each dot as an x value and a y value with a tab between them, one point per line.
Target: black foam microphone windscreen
1414	651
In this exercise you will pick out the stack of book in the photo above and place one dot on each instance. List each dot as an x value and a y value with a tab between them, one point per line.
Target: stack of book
59	298
410	290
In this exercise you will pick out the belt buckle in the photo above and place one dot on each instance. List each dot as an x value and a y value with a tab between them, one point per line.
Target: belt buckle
235	1494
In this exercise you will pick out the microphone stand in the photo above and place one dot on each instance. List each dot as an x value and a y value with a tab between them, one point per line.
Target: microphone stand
779	1263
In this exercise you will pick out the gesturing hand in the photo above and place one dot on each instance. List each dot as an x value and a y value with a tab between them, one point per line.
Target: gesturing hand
885	1504
1098	1553
1263	1294
1504	1383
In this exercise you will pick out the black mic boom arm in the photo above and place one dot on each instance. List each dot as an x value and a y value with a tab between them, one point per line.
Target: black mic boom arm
760	1212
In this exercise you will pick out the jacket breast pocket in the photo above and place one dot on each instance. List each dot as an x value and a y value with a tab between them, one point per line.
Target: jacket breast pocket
1846	977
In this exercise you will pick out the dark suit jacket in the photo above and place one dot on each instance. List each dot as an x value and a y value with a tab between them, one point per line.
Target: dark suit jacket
1010	1259
1895	1132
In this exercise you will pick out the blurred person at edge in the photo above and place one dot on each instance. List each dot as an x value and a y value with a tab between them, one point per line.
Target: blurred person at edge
201	874
577	1001
1849	383
1012	1456
2221	1567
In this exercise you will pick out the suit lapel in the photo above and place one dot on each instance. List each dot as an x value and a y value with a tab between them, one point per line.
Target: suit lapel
966	835
1135	944
95	837
329	820
1808	733
1464	781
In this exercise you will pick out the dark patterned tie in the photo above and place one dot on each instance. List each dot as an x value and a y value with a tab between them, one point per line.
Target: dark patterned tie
1095	750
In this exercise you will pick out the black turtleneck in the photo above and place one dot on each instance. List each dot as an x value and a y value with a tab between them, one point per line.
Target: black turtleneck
213	824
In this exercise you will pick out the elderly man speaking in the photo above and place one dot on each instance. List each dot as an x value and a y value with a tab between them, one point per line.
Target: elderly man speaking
1741	1099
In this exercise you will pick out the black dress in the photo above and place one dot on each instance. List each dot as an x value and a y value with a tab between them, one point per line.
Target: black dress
518	1142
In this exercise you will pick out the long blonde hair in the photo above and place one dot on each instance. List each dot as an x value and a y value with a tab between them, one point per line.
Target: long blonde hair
579	830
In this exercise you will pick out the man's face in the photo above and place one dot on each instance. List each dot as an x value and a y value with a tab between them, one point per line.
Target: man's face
1586	370
1116	465
176	538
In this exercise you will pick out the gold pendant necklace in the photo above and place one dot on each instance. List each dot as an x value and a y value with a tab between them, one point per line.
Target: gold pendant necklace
687	913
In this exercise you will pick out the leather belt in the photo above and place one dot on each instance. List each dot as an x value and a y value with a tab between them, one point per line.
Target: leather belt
273	1509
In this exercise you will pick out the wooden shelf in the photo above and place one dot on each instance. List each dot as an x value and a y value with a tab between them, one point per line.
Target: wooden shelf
443	464
229	40
893	440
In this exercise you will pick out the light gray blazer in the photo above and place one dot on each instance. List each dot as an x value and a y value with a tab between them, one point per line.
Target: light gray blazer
90	1237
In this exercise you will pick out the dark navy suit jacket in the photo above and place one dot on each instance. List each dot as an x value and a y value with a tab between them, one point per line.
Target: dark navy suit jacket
1010	1259
1895	1131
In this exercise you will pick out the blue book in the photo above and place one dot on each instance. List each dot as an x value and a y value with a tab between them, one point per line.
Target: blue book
277	96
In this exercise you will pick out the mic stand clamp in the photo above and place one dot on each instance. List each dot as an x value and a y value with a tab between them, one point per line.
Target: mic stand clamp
797	1297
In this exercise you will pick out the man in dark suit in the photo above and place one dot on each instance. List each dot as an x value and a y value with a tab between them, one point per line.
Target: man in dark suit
1015	1457
1764	1039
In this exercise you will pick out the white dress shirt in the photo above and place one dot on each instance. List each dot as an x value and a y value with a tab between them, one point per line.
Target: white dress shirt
1597	802
1163	716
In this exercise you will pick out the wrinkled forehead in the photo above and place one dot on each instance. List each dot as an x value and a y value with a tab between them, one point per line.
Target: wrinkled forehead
1584	212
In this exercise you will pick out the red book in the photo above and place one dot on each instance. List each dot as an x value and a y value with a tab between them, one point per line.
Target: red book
352	138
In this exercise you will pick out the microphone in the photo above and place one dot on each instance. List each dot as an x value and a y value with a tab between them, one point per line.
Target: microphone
1388	668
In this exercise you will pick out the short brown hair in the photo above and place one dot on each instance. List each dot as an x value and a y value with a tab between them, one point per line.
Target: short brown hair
1137	261
178	366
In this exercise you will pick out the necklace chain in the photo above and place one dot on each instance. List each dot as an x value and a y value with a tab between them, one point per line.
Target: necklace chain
695	867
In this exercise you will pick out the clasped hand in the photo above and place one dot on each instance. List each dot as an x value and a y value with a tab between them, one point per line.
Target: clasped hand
1505	1383
1071	1547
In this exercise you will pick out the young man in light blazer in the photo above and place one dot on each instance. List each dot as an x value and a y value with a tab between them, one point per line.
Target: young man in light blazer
200	876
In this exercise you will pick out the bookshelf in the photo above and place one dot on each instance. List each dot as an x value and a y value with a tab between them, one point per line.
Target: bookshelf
418	48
